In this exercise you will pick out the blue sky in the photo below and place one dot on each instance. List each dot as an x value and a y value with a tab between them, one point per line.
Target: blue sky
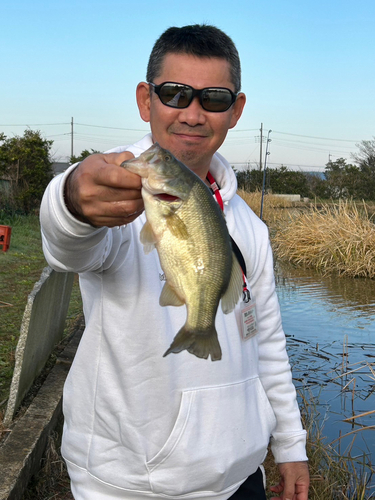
308	72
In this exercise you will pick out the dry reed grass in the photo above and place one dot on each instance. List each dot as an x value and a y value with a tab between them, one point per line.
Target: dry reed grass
336	238
331	238
274	207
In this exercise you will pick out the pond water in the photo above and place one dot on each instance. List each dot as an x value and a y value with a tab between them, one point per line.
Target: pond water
330	328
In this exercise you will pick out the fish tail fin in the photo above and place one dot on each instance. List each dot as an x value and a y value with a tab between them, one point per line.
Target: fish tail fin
201	345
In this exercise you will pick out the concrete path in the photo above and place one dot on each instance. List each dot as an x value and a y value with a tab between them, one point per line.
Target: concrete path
22	450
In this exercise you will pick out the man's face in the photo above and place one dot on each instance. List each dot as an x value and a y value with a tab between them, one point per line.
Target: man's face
192	134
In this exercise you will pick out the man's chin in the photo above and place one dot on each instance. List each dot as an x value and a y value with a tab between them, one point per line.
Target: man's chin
191	156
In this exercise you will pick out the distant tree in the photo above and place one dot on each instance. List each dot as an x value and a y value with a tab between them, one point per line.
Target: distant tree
365	159
26	163
354	182
317	185
347	181
340	180
335	175
366	152
285	181
84	154
278	180
250	179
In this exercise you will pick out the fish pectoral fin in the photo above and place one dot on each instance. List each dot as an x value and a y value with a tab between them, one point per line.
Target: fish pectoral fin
147	238
234	290
168	297
177	227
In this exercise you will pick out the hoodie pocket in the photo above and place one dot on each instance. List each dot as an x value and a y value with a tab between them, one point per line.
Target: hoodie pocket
219	438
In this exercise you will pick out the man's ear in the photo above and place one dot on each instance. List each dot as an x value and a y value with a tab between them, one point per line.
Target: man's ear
143	100
237	109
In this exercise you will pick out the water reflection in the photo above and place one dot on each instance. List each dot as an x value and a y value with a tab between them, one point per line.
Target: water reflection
330	327
340	305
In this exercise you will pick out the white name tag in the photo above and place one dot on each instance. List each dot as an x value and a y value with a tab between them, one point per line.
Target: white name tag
249	320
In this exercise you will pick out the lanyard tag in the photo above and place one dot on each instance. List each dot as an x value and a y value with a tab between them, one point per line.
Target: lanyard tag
249	326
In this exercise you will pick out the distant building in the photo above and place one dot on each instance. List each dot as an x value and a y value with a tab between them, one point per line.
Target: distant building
59	166
5	185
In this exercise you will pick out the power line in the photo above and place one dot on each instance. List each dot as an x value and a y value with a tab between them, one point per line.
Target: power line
244	130
143	130
248	163
296	141
112	128
314	137
34	124
312	148
56	135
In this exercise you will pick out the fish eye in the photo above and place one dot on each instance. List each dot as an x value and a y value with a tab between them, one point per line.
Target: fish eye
167	158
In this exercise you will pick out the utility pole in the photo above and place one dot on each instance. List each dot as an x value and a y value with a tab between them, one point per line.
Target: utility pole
264	175
261	144
71	138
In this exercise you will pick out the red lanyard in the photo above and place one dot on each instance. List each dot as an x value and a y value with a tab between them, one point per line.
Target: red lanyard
215	189
219	199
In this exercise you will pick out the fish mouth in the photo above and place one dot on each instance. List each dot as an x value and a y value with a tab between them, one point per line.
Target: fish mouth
158	192
166	197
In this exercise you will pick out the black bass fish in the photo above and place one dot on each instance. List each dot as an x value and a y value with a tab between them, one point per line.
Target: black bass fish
188	229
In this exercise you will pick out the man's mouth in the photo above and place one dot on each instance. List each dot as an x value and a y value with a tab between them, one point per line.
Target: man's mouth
190	136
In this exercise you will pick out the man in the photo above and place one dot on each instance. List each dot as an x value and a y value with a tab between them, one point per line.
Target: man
139	425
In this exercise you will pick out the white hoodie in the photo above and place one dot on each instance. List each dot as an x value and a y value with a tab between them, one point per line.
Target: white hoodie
152	427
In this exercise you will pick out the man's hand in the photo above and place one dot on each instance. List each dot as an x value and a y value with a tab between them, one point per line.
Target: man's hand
101	193
294	483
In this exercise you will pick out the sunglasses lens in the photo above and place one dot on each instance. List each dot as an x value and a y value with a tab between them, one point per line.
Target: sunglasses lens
176	96
217	99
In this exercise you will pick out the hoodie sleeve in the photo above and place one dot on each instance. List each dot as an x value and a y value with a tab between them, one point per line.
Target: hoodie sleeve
288	441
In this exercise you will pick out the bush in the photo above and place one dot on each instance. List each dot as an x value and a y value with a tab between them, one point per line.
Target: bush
25	162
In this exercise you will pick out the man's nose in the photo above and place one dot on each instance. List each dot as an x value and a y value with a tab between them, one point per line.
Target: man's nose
194	114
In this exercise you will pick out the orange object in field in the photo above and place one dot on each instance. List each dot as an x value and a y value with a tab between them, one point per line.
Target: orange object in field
5	232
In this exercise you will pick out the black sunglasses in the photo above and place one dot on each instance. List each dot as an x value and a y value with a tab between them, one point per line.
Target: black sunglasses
178	95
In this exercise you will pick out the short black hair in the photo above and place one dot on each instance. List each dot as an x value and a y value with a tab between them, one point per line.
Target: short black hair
201	40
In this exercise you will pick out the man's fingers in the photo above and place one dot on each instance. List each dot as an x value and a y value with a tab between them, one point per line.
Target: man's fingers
277	488
294	482
118	158
102	220
109	173
112	212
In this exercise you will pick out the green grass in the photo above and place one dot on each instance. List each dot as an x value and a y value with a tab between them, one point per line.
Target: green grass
20	268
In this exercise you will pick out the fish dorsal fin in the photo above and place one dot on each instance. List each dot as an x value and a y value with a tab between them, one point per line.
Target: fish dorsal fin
168	297
177	227
234	290
147	238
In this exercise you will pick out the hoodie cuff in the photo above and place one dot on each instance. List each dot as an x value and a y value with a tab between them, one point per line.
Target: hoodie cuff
289	448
